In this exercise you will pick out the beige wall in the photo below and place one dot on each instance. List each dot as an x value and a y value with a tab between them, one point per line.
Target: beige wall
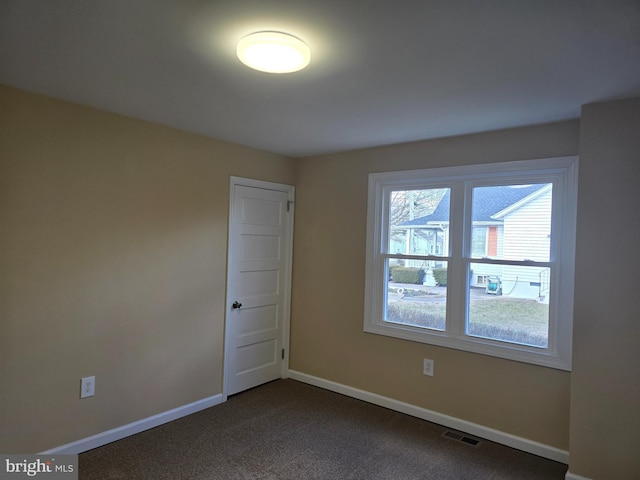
327	338
112	263
605	382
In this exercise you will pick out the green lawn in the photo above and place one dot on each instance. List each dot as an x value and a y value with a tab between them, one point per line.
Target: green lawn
500	318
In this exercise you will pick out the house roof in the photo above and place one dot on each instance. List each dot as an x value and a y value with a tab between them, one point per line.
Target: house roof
488	201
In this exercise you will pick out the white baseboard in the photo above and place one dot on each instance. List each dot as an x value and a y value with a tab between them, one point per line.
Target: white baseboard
118	433
497	436
573	476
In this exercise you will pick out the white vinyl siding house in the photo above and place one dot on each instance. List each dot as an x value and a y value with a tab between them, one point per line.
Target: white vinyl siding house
527	235
527	227
519	228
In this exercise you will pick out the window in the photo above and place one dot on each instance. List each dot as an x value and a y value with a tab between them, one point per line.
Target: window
478	258
478	241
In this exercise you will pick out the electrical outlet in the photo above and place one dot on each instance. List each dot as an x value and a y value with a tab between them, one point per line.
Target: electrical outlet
87	387
427	367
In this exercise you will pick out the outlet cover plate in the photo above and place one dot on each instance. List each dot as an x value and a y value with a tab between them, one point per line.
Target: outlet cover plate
427	367
87	387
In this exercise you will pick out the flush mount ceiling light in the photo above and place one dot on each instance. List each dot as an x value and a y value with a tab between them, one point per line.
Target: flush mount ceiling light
273	52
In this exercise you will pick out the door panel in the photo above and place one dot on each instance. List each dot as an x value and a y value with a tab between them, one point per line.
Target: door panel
257	356
259	262
258	319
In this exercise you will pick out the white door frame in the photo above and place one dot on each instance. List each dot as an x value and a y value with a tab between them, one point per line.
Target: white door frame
286	314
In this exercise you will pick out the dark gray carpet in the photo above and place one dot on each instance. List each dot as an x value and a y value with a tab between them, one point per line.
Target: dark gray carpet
289	430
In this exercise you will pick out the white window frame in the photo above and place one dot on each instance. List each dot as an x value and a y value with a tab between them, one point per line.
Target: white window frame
562	172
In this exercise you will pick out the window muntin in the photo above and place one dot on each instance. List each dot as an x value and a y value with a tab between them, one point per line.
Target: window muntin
476	254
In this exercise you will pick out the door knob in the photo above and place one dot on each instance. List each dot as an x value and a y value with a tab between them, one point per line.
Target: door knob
236	304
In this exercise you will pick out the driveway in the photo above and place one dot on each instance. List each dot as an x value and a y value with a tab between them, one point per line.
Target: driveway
427	293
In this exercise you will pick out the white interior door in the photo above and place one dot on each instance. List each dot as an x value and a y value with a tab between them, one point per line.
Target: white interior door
258	285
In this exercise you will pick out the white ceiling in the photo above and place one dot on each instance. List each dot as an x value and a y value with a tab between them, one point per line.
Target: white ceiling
381	71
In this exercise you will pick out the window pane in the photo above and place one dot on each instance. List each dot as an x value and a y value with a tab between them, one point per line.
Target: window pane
509	303
479	241
419	222
516	220
417	295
